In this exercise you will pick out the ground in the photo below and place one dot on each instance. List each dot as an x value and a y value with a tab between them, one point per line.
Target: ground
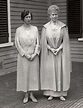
10	98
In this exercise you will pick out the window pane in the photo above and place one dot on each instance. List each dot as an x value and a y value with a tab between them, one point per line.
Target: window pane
3	22
74	18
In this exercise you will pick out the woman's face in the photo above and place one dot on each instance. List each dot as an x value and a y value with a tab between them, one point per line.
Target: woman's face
54	16
27	19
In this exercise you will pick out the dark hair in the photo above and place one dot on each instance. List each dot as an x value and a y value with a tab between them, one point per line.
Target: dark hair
24	13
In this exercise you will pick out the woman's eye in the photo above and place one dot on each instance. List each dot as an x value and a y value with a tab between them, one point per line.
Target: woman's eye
28	17
54	14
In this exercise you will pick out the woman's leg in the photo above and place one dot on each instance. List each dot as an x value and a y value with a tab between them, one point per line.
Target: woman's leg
32	97
62	98
25	100
50	97
52	94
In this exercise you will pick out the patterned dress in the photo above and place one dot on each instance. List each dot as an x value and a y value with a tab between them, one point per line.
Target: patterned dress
27	41
55	69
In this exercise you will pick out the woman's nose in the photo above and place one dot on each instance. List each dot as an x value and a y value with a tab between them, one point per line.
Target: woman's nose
54	15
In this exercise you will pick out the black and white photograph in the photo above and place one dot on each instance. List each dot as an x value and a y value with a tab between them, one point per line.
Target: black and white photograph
41	53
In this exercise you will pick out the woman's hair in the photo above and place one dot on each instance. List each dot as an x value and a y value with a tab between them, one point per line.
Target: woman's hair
24	13
53	8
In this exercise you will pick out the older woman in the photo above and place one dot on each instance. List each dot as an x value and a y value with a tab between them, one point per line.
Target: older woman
27	44
55	57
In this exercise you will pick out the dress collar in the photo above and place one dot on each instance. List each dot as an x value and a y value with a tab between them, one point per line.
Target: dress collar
54	26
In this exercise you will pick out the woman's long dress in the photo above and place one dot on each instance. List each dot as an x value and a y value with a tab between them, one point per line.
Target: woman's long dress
27	41
55	69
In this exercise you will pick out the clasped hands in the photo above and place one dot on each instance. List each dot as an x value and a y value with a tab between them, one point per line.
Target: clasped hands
55	51
30	57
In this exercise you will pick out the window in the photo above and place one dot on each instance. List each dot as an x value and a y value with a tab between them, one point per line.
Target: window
5	30
74	18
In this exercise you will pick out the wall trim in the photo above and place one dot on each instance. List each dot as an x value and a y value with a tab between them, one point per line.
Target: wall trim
9	20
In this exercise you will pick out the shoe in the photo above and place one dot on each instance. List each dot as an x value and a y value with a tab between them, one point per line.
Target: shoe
25	100
62	98
50	98
33	98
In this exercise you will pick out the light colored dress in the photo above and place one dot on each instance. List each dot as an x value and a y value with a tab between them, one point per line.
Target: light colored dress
27	41
55	69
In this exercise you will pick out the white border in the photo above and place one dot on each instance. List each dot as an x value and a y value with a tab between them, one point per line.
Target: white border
9	28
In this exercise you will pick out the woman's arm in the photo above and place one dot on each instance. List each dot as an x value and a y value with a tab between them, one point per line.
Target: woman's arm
17	43
48	46
37	47
61	45
62	35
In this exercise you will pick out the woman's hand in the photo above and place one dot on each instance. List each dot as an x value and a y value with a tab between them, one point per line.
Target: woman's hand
33	56
53	50
56	51
28	56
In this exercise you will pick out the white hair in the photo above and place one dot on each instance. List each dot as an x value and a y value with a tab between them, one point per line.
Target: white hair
53	8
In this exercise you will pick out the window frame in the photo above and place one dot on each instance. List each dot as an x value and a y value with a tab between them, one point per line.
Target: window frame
9	43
